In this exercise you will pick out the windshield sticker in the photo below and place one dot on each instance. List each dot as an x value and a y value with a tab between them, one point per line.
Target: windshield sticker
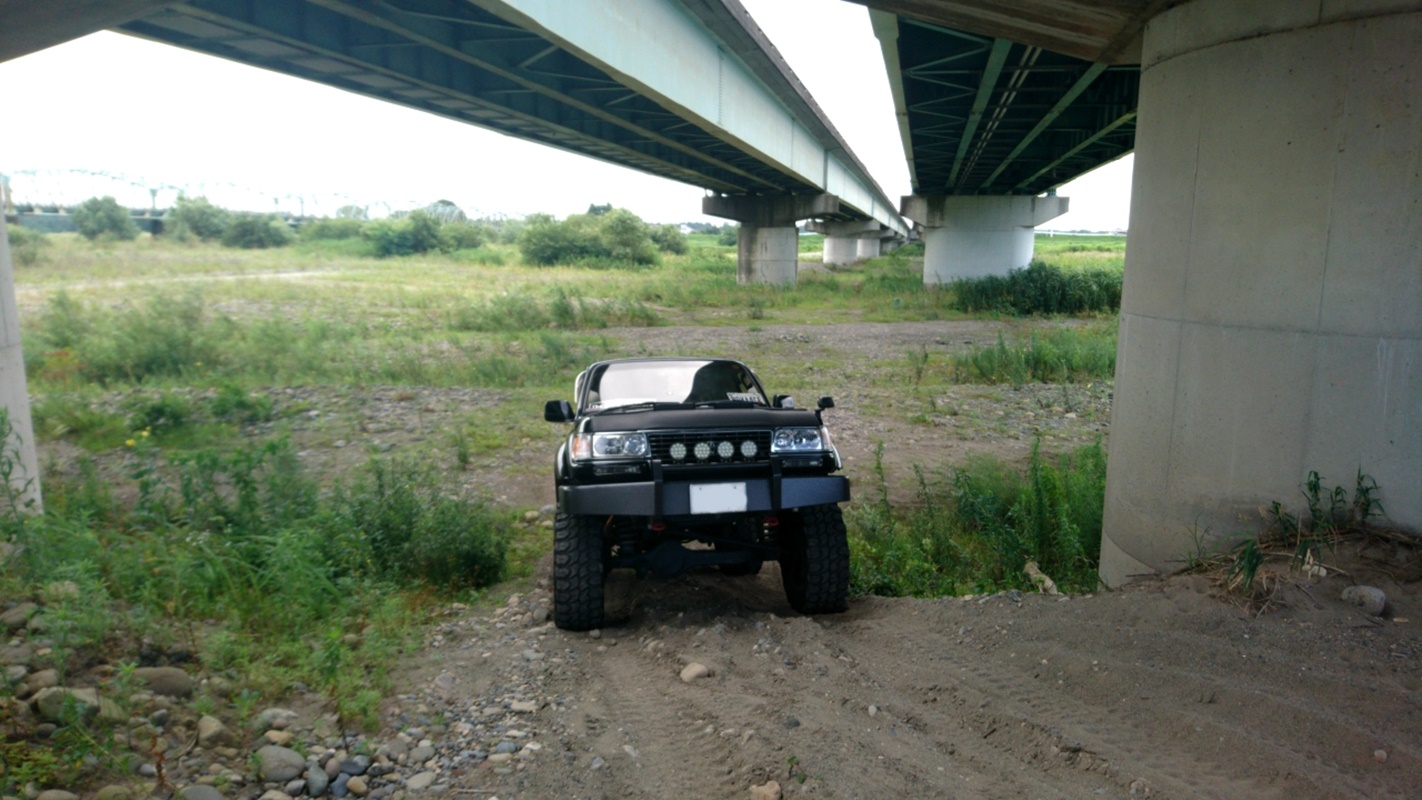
744	397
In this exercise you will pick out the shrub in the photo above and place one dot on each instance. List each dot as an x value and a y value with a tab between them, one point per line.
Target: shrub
669	239
103	216
1061	356
465	235
196	217
27	246
257	231
730	236
331	229
418	233
166	336
1041	289
625	237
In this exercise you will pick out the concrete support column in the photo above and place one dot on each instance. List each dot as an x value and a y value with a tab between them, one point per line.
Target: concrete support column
867	247
14	393
769	250
1272	314
974	236
840	249
842	238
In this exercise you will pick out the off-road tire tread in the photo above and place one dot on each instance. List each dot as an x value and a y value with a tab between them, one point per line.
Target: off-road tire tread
814	561
577	572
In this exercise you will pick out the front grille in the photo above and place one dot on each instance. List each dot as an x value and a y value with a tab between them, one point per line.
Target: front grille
662	443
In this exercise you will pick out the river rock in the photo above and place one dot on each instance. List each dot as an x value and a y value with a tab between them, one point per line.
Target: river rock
1369	598
213	733
316	781
116	792
766	791
51	702
199	791
279	764
694	671
56	794
15	618
420	781
169	681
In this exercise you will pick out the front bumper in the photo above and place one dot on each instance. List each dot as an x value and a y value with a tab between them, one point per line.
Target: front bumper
660	498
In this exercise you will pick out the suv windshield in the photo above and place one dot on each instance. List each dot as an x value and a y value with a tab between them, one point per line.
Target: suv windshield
691	381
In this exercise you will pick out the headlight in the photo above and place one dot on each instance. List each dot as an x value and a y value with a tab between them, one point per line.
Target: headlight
800	440
588	446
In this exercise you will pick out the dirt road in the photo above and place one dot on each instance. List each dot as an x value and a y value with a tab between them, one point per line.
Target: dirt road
1160	690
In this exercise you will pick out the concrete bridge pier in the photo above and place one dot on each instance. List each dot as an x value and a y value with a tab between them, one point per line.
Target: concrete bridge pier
868	247
842	239
14	393
1272	316
769	249
971	236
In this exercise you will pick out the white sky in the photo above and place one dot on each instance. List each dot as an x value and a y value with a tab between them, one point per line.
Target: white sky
120	105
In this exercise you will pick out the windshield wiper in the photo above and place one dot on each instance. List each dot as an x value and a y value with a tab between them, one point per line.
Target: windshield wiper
729	404
647	406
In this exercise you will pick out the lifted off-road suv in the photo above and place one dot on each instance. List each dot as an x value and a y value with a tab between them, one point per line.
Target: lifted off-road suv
669	451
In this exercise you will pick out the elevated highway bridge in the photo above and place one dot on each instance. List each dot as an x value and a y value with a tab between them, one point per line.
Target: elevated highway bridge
1272	315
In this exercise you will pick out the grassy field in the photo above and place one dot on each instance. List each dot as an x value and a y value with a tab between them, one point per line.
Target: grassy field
156	366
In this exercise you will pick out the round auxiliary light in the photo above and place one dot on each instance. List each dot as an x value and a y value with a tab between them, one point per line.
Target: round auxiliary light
677	451
748	449
703	451
725	450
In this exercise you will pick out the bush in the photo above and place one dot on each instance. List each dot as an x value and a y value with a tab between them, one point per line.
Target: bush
730	236
669	239
418	233
26	246
258	231
331	229
164	337
409	530
1041	289
615	236
1065	355
103	216
465	235
196	217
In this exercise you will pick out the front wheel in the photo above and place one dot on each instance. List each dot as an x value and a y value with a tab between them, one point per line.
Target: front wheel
814	560
577	572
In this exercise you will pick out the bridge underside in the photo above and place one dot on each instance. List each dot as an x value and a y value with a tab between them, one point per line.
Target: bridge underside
1272	311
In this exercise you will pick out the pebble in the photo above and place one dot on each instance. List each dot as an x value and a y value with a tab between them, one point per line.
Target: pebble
169	681
1380	756
597	763
420	781
200	792
766	791
279	764
358	786
694	671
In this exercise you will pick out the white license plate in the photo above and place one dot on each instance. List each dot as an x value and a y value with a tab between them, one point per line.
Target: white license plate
717	498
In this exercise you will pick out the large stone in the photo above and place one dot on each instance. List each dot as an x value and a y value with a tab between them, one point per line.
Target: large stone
116	792
199	792
1369	598
766	791
279	764
15	618
170	681
316	781
54	703
212	733
56	794
420	781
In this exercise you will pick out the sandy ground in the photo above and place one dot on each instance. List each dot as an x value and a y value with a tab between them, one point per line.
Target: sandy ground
1159	690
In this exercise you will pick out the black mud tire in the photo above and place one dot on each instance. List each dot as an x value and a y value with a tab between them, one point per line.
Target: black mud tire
577	572
814	560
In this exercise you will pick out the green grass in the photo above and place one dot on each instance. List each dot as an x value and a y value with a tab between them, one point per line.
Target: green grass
1064	355
975	527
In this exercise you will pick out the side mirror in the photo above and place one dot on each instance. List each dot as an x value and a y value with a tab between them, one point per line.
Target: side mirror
783	401
558	411
825	402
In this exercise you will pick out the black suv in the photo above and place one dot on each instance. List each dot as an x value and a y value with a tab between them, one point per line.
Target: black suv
666	451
